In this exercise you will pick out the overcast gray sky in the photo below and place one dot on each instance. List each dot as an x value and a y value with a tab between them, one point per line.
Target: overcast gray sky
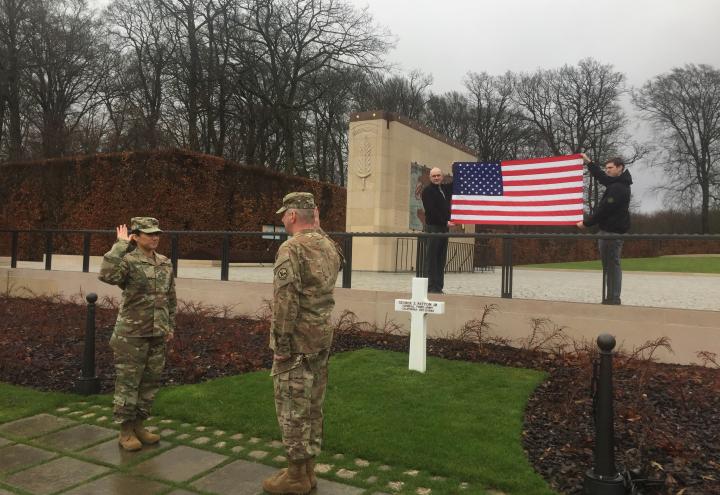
641	38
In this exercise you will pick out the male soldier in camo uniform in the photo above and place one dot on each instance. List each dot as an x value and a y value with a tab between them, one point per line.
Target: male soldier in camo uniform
145	323
305	271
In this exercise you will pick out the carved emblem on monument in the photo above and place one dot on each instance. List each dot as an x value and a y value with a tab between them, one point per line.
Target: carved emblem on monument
363	152
363	164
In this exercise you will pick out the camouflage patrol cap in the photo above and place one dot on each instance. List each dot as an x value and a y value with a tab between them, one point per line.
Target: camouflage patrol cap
297	200
148	225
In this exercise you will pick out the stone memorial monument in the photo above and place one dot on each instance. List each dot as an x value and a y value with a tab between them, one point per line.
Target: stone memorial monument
386	155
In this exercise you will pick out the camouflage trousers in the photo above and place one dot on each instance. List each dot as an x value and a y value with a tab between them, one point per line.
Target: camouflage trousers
139	363
300	385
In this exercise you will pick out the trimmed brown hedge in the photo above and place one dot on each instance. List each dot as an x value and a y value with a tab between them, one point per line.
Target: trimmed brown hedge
184	190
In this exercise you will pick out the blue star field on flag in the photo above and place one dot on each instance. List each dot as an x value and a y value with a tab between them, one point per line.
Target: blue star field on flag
483	179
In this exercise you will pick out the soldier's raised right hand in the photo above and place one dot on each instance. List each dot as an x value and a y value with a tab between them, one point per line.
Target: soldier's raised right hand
122	233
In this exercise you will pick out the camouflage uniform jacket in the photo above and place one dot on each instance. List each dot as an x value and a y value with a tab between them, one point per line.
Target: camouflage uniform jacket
305	271
148	299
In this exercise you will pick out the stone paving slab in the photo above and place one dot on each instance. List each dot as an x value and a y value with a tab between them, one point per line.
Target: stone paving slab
14	457
76	437
5	492
237	478
163	461
245	478
326	487
4	441
180	463
54	476
111	453
119	484
35	426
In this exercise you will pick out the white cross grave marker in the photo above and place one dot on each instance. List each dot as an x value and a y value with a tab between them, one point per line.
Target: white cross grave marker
419	307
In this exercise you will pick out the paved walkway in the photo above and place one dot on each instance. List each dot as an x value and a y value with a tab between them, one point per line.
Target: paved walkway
75	449
653	289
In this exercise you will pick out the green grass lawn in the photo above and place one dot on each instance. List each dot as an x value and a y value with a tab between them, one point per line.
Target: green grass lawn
461	420
689	264
17	402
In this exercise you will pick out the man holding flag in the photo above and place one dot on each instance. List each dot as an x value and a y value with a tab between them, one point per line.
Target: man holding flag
612	215
436	199
547	191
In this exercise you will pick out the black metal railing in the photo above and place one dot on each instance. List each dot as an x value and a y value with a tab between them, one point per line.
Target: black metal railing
484	256
460	256
406	254
346	239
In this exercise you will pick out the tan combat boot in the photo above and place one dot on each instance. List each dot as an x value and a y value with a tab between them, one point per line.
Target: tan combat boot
310	468
294	480
143	435
128	440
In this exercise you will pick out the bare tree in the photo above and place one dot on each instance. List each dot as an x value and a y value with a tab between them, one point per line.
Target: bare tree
190	18
574	109
327	132
216	78
577	109
90	132
499	129
14	17
684	106
269	82
450	115
64	70
404	95
286	48
141	36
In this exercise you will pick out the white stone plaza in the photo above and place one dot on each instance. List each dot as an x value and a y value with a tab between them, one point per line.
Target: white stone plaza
648	289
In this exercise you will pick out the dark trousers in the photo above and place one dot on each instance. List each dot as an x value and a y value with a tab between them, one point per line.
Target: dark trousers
610	250
435	258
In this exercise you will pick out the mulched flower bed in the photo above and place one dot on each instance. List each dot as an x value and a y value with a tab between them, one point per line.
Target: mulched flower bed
667	417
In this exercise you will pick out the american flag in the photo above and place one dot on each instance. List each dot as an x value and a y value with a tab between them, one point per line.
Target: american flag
540	191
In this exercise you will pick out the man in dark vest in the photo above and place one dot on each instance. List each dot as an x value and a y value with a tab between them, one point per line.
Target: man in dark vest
436	201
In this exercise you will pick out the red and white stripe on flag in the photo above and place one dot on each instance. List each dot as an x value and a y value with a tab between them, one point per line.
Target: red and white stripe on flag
539	191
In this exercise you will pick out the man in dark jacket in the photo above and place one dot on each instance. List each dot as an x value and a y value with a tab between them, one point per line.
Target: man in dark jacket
613	217
436	202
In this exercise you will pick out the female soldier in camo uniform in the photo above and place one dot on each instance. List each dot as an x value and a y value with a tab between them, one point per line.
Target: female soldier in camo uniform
145	324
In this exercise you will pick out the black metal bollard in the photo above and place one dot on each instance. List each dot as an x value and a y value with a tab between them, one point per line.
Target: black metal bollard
347	268
506	288
88	383
604	479
607	274
225	260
